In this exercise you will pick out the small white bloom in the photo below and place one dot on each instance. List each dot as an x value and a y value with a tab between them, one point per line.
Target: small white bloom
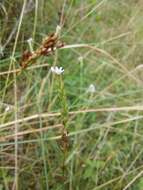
30	41
58	30
80	59
57	70
7	108
91	88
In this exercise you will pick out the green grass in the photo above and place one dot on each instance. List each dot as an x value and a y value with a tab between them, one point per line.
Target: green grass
103	146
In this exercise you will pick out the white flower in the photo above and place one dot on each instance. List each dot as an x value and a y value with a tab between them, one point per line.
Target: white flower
7	109
30	41
57	70
80	59
91	88
58	30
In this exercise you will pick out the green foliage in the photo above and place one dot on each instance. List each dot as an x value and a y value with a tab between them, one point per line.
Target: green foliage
102	146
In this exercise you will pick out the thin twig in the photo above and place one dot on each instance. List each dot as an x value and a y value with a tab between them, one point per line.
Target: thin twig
45	115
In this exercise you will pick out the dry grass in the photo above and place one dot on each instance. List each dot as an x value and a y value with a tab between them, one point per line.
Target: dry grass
54	134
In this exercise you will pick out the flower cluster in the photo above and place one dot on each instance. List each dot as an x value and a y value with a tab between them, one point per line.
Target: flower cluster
57	70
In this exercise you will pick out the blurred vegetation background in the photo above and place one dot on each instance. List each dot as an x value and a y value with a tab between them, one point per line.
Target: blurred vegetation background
104	125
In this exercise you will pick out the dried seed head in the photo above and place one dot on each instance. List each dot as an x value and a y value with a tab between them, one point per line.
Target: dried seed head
48	45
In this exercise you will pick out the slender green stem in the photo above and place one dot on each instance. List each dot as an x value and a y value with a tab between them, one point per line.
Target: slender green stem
64	105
